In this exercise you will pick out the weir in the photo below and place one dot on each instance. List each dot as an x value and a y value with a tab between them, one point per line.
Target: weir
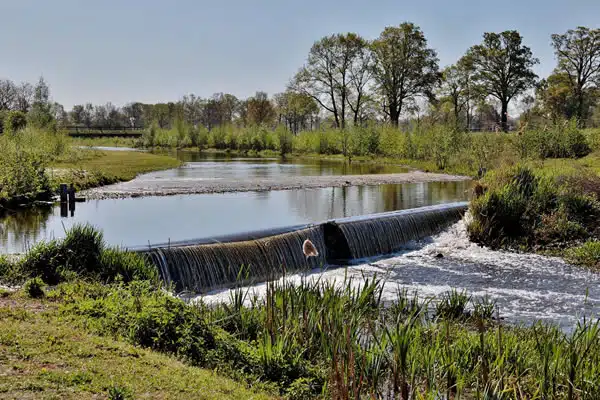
205	264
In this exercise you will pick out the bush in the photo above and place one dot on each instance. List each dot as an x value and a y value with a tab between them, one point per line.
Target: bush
562	140
5	266
126	266
83	253
34	288
14	121
151	318
524	209
587	255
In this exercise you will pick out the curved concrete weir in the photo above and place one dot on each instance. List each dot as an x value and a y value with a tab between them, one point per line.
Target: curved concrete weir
206	264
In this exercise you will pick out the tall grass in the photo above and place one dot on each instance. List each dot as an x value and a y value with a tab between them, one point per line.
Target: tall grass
81	254
442	147
338	340
521	207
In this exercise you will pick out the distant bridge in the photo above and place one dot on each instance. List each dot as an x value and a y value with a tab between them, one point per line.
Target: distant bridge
104	132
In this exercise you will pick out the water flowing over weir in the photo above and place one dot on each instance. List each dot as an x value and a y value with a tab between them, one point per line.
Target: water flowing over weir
207	264
386	233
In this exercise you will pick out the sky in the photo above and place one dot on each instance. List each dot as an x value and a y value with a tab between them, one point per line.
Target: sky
156	51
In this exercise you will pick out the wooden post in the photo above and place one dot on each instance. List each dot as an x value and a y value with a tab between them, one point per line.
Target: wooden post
71	193
63	192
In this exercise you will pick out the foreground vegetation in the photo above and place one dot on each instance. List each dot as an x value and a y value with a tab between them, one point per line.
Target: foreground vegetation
554	209
44	355
312	340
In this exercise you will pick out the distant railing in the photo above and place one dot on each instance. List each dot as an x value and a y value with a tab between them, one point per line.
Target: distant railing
98	132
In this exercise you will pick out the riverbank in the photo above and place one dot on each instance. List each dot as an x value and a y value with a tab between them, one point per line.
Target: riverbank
157	186
34	162
47	354
301	341
100	167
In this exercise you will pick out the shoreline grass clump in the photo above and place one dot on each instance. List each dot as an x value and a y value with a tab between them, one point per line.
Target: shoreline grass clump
81	254
527	209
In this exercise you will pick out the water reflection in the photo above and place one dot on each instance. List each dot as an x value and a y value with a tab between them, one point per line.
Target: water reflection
137	221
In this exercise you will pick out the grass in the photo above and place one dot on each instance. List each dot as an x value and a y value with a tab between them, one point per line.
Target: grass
314	339
97	168
587	255
108	141
540	209
43	355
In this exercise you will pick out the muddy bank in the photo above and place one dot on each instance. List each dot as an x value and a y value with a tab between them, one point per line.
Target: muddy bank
157	186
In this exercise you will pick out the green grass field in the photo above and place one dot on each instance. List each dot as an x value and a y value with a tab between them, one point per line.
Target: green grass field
97	168
45	356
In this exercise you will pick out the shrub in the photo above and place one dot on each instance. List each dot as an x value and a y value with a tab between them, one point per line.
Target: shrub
562	140
34	288
126	266
14	121
587	254
46	261
5	266
83	253
452	305
524	209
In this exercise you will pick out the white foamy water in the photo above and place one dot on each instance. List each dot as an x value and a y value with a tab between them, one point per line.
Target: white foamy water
526	287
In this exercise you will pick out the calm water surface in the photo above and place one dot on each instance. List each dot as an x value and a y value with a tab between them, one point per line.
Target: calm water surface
139	221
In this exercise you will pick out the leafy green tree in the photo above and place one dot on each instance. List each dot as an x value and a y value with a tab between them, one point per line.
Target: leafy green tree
459	90
76	115
331	73
260	110
555	97
40	115
504	68
404	67
14	121
578	54
296	110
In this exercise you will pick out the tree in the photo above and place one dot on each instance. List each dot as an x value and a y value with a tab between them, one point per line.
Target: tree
404	67
555	97
227	105
58	113
8	94
326	76
134	115
459	90
41	115
88	115
504	68
76	116
192	106
24	97
260	109
296	110
361	72
578	54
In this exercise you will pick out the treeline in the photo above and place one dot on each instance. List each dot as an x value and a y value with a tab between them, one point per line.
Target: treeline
396	79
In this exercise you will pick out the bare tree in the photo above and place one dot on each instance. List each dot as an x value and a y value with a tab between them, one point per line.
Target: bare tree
8	94
326	76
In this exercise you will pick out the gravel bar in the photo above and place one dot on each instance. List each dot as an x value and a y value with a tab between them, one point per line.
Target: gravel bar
140	187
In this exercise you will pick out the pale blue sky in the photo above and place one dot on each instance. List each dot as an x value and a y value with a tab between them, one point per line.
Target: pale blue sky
151	51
